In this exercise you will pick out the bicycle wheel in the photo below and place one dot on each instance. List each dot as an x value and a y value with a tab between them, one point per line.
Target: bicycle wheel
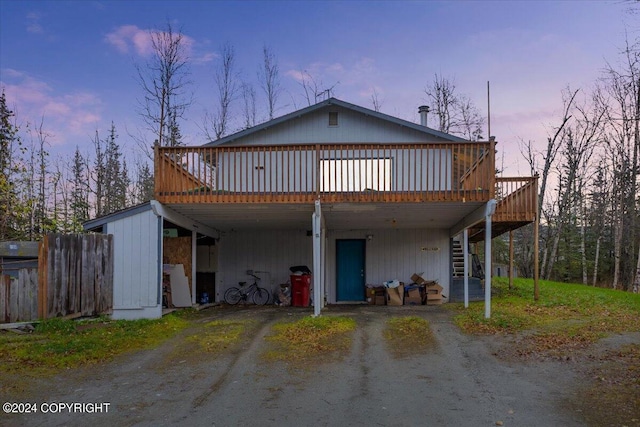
232	296
260	296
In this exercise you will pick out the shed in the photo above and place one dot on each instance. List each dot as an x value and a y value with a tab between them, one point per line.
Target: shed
15	255
139	256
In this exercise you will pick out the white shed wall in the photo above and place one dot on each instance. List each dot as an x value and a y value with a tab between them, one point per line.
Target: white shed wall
390	254
136	268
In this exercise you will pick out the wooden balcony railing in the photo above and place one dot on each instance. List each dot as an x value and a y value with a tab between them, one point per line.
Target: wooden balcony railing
516	199
329	172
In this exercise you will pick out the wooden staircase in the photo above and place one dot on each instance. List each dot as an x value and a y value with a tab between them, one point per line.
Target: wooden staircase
458	259
476	285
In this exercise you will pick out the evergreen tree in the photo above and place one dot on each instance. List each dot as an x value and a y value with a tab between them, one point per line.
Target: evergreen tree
79	191
8	136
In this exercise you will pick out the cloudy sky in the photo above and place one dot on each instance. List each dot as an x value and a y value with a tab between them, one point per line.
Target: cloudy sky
72	63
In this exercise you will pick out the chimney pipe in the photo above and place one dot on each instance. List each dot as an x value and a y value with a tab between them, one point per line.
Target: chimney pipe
424	111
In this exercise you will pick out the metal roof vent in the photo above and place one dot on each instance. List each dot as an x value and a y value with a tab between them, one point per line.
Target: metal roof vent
424	111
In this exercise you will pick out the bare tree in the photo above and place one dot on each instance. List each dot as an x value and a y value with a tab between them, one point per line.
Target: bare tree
310	87
269	77
622	85
313	90
248	105
226	81
375	100
456	114
442	97
164	81
577	141
599	201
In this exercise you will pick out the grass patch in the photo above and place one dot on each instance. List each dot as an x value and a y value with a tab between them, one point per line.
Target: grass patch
219	335
567	317
58	344
309	337
408	335
586	310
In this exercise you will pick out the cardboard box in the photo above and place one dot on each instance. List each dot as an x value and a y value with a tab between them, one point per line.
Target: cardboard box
370	295
413	300
380	300
415	278
373	292
435	301
413	293
434	297
395	296
434	288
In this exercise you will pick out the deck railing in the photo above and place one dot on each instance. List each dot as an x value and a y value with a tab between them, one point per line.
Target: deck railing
329	172
516	199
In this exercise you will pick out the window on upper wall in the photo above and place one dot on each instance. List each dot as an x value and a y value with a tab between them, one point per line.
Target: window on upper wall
333	118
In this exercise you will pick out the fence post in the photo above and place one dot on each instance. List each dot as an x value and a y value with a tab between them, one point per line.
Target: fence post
43	268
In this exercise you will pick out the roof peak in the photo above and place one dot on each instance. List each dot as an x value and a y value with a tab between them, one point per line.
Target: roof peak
344	104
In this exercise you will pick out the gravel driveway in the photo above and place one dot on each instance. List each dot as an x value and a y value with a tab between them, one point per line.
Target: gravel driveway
459	382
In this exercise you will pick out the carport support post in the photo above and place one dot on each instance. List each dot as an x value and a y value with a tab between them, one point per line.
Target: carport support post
194	248
510	259
317	267
487	267
323	260
465	251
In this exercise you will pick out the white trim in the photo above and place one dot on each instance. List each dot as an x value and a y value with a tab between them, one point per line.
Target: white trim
487	267
194	241
474	217
181	220
465	251
316	219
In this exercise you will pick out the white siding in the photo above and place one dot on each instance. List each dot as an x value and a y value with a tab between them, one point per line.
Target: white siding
396	254
273	251
352	127
136	262
390	254
385	169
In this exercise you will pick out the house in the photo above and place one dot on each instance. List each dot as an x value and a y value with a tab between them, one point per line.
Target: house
358	196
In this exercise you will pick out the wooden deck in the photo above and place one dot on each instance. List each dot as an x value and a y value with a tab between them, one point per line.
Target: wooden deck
388	173
516	206
346	173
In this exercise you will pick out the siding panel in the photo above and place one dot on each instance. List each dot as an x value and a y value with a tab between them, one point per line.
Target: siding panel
272	251
396	254
135	261
352	128
390	254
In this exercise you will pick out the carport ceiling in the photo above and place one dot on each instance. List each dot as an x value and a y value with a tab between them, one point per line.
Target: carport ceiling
360	216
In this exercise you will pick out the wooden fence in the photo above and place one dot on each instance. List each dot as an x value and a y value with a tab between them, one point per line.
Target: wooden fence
74	277
19	296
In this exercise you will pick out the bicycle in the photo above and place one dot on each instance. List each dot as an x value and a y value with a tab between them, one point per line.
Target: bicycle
259	296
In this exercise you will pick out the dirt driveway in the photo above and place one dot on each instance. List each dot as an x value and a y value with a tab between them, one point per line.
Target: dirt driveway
459	382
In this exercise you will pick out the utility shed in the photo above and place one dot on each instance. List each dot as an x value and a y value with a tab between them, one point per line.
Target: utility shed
16	255
138	257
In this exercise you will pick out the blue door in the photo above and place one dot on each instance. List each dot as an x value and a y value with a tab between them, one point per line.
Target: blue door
350	269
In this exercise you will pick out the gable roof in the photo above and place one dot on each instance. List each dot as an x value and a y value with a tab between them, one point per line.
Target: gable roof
330	102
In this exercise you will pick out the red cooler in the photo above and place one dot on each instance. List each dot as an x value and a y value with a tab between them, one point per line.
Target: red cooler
300	286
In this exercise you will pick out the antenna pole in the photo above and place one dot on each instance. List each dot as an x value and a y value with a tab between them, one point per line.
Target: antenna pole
488	111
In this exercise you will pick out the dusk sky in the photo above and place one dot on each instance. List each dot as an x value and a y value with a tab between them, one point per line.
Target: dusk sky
73	62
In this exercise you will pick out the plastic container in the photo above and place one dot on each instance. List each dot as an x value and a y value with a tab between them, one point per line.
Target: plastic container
300	286
204	298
